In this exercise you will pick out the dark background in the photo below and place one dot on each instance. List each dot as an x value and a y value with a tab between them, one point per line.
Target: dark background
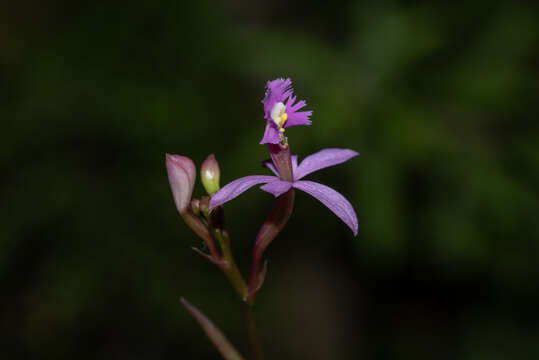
440	99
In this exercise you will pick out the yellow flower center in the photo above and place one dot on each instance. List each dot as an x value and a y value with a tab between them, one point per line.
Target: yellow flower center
278	115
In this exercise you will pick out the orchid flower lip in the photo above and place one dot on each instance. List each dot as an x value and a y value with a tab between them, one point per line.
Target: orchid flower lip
281	110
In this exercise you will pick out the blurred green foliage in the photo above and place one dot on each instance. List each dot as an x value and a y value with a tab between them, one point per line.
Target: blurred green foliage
439	98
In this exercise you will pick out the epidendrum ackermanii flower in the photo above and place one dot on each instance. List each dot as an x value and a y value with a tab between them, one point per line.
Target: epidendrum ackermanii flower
280	111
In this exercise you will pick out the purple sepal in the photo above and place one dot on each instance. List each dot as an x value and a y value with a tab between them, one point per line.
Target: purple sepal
333	200
294	159
269	164
323	159
277	187
236	187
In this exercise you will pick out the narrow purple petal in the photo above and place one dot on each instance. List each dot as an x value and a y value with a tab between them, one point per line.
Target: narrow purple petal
269	164
294	163
271	134
333	200
236	187
323	159
298	119
298	105
277	188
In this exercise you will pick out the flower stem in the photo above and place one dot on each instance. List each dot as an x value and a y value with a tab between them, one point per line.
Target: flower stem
277	219
229	266
250	327
230	269
202	231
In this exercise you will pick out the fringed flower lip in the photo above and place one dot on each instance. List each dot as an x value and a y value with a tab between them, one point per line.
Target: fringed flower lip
281	110
276	186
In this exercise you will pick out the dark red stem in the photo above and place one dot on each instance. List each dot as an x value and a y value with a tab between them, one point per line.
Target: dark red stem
277	219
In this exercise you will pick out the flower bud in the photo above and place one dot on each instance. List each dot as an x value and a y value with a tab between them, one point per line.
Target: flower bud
181	176
210	173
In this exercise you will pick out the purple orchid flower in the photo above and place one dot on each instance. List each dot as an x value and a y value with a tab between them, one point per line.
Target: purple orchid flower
280	110
280	184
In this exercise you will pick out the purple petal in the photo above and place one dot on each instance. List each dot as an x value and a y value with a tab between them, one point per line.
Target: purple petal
271	134
294	163
236	187
276	91
269	164
333	200
296	118
277	188
323	159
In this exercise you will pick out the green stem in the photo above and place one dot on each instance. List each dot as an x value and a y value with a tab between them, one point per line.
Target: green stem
229	267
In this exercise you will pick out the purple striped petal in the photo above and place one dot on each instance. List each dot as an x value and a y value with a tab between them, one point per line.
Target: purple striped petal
323	159
333	200
277	187
236	187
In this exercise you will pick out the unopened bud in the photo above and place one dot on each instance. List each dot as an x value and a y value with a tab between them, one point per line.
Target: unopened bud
181	176
210	173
